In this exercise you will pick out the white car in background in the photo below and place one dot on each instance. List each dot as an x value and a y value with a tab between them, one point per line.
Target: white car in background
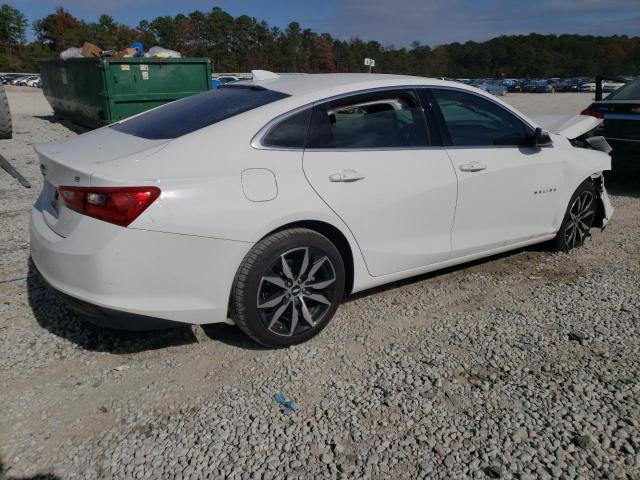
33	81
265	202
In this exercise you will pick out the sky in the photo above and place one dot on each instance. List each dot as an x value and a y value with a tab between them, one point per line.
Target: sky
391	22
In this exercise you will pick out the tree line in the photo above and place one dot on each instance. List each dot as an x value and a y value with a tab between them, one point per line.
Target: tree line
243	43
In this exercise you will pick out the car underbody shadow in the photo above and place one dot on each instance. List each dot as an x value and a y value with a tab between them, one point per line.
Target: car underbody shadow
230	335
535	248
4	475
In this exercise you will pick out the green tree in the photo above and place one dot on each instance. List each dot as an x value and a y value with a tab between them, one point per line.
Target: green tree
244	43
13	28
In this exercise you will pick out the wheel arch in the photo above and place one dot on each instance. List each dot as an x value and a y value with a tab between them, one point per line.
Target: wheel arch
597	180
335	236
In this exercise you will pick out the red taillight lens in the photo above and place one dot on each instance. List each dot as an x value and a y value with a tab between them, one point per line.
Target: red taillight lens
592	113
119	205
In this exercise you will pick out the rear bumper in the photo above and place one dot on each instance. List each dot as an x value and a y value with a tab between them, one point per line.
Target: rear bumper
109	318
130	278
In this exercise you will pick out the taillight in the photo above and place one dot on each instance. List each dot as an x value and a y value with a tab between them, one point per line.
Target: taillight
118	205
592	113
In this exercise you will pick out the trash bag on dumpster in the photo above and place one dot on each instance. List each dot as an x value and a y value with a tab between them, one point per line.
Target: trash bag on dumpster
73	52
159	52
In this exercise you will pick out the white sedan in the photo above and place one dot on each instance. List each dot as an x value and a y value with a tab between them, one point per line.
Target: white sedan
263	203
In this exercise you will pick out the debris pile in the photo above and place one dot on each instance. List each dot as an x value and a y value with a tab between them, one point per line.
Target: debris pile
135	50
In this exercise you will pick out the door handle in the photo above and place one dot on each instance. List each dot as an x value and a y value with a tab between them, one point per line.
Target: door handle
346	176
472	167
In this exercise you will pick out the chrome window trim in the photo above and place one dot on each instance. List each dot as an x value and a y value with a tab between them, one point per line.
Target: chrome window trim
385	149
257	141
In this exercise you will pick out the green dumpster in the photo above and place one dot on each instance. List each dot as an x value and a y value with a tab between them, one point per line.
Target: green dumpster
97	91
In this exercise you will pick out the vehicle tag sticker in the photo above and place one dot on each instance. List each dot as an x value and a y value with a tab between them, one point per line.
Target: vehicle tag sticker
125	66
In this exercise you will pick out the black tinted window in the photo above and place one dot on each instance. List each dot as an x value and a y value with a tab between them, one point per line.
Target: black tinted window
290	132
389	119
631	91
196	112
474	121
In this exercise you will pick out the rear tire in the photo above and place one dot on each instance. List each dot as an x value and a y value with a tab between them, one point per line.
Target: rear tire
6	130
578	219
288	287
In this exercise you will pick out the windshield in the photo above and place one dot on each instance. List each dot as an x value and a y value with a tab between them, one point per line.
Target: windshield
198	111
631	91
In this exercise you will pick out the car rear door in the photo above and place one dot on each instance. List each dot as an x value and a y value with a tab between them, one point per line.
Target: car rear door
373	161
508	191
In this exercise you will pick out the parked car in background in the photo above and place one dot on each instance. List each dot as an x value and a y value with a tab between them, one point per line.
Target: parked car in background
493	87
22	81
7	78
227	79
621	113
539	86
569	84
610	86
512	85
294	191
219	80
33	81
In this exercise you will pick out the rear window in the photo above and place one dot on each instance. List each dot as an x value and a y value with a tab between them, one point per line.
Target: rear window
198	111
631	91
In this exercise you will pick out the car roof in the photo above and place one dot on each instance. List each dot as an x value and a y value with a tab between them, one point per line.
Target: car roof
306	89
327	84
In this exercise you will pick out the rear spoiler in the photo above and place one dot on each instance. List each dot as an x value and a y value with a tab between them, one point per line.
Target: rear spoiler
599	84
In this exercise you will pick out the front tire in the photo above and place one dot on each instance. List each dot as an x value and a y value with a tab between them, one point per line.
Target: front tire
578	218
288	287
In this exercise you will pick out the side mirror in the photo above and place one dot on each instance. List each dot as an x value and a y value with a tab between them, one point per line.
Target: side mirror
541	138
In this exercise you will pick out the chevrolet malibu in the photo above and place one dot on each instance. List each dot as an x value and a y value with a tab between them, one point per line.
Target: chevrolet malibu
264	202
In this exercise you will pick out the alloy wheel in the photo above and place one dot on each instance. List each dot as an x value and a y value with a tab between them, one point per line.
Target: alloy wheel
297	291
580	219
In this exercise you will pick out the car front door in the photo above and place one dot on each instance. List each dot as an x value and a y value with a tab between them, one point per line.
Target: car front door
371	159
508	190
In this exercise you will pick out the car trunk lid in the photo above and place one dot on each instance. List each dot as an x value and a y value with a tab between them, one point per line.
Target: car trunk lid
72	162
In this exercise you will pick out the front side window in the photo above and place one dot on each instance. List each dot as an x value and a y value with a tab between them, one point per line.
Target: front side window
386	119
198	111
474	121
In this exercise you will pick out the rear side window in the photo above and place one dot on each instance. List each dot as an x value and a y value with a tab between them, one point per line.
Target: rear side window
387	119
474	121
290	132
198	111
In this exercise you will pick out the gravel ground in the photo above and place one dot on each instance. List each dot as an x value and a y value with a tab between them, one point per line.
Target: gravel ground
521	366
